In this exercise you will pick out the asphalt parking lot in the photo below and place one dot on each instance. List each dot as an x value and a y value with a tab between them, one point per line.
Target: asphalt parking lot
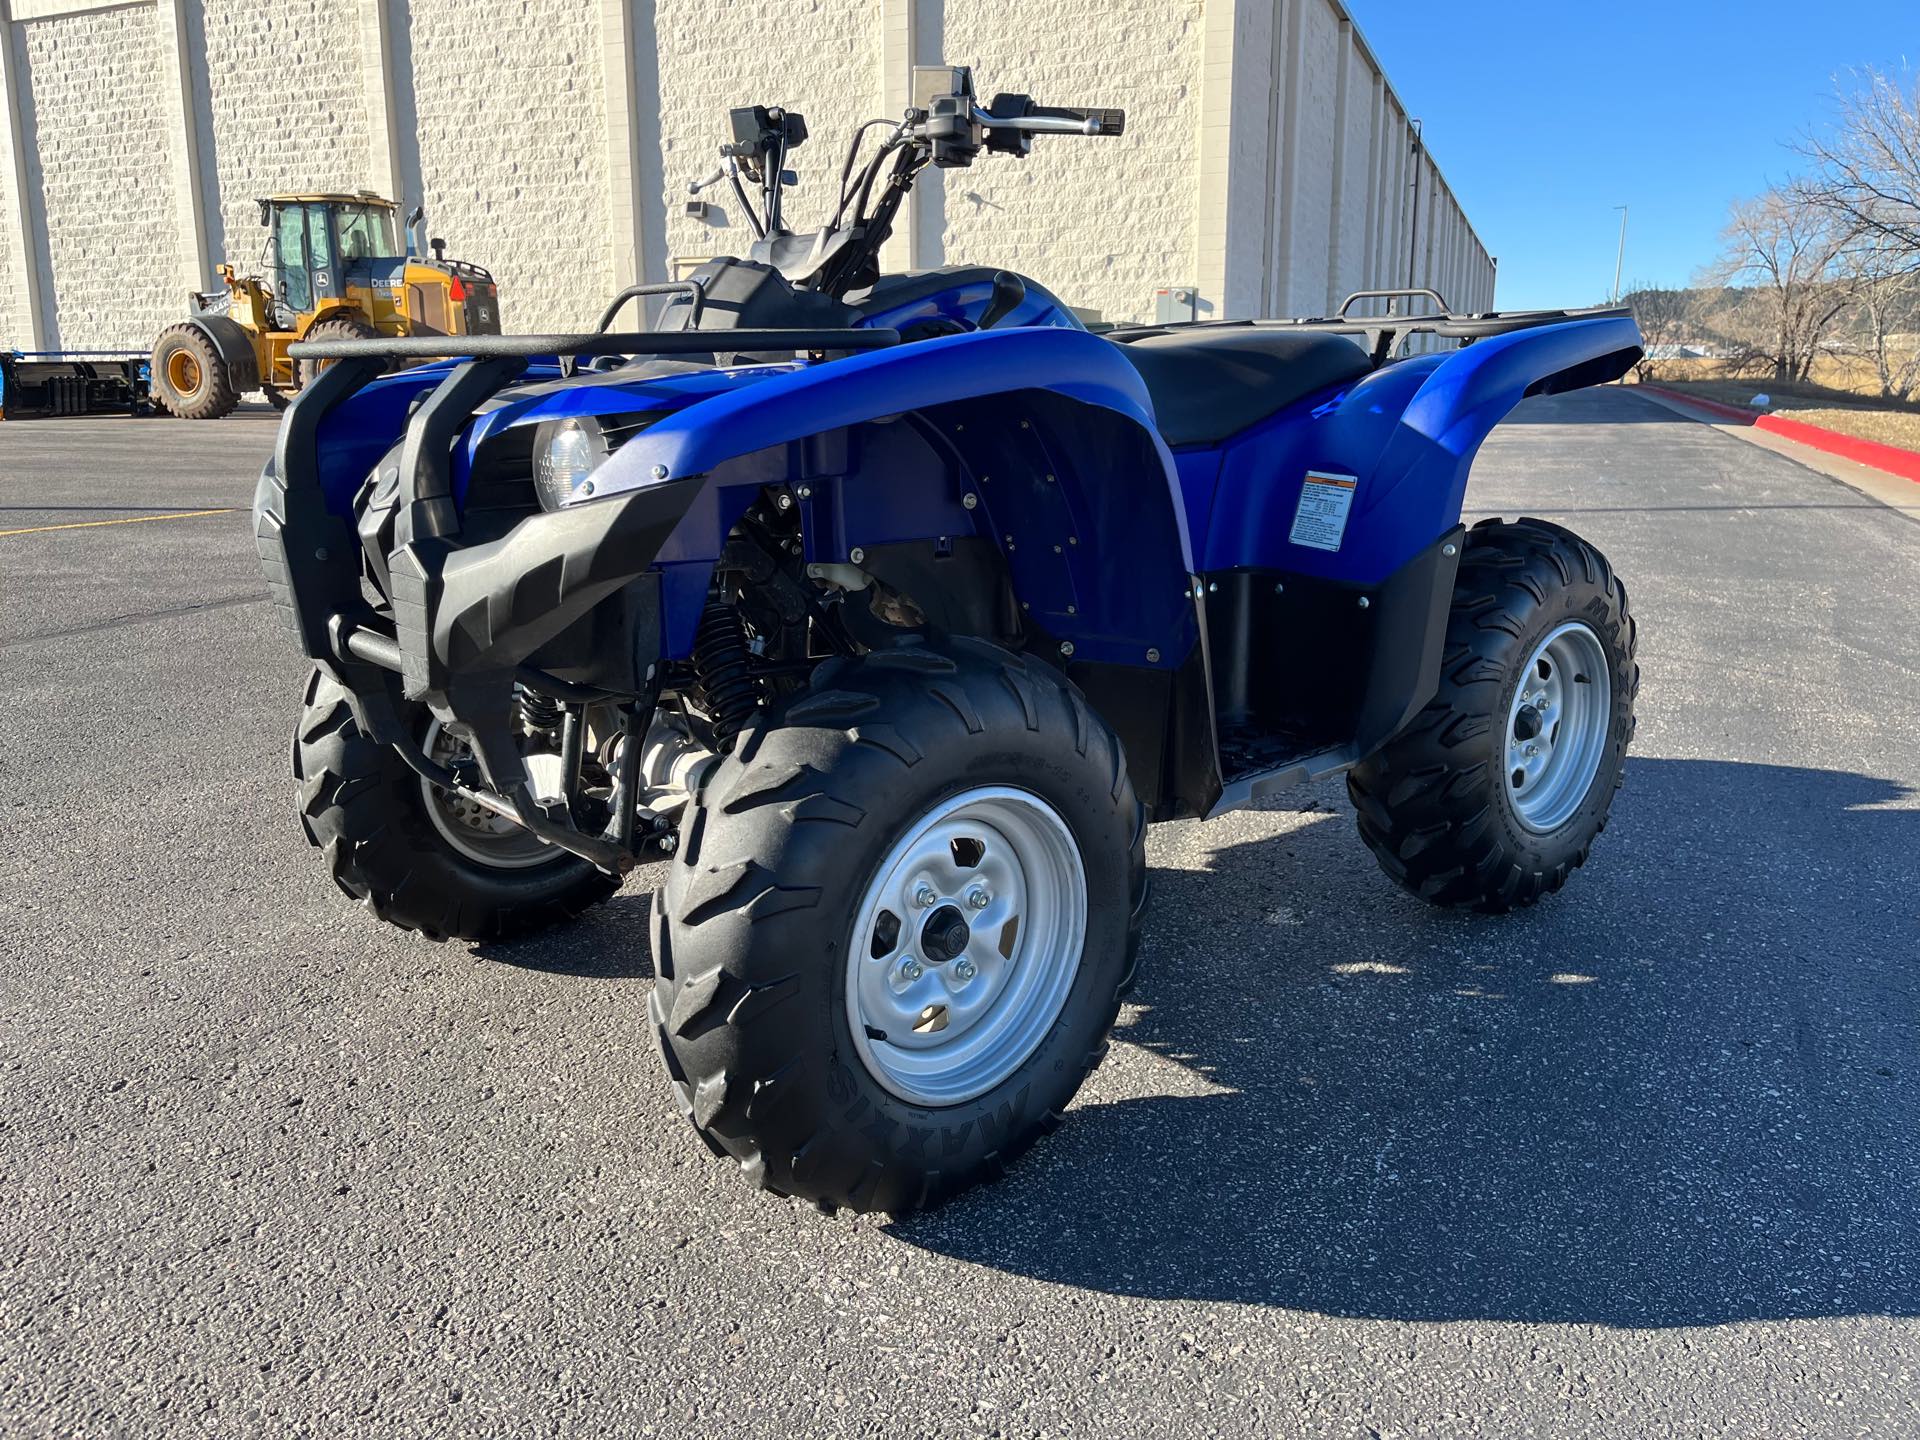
1642	1161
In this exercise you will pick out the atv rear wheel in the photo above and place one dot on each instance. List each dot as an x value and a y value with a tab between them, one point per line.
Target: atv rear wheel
188	376
1496	791
413	855
893	941
334	327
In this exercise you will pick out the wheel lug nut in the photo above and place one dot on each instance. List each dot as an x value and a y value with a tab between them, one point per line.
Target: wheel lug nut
977	897
912	970
1533	749
923	896
963	969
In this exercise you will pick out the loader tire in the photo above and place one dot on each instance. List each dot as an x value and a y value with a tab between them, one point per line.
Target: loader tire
1457	808
188	377
766	930
334	327
367	812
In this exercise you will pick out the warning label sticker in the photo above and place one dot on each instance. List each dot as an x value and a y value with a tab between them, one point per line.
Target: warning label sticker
1321	519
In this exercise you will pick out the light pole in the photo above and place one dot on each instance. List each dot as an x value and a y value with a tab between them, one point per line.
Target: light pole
1620	254
1413	221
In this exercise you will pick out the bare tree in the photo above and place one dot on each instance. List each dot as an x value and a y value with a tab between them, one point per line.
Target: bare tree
1867	167
1787	253
1667	321
1885	283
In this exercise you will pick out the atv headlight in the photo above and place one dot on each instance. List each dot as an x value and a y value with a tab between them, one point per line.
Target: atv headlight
565	453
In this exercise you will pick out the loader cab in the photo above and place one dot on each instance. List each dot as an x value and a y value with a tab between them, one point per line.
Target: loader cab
328	249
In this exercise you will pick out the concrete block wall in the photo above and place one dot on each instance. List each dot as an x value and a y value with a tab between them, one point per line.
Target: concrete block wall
15	302
509	105
1308	163
1313	82
1267	160
281	109
1101	222
99	206
820	57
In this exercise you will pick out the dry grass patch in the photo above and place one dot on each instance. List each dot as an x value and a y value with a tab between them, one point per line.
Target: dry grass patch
1889	427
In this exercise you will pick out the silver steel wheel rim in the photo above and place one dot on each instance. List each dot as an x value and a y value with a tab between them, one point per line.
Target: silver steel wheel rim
476	832
1557	726
941	1029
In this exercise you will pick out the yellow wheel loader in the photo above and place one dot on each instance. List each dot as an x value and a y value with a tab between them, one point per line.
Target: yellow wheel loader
334	267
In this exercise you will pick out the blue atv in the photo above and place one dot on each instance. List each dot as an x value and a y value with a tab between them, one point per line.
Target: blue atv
888	610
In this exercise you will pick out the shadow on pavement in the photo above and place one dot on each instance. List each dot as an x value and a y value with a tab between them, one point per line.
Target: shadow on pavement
1682	1092
609	942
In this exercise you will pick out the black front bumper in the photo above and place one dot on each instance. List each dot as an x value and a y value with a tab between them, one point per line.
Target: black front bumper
466	620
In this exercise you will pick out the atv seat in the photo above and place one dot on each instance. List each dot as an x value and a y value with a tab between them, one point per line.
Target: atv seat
1213	381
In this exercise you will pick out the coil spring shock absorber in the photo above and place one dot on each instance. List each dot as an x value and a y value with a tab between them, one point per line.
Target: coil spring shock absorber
722	665
542	712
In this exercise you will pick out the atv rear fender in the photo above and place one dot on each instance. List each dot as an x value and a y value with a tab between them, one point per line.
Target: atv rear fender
1407	433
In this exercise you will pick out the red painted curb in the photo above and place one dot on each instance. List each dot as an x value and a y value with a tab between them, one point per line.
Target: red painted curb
1871	453
1890	458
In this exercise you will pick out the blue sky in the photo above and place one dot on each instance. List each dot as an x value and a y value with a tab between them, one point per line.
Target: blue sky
1544	116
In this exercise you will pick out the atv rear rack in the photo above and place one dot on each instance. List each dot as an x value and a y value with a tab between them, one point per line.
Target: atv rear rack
1383	332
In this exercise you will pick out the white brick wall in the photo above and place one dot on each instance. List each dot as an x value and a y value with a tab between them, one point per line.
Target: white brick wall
509	97
1304	291
280	80
14	329
1346	267
512	120
13	320
1101	222
98	166
820	57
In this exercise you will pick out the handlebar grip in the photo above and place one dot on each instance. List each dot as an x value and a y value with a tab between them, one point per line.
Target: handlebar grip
1107	120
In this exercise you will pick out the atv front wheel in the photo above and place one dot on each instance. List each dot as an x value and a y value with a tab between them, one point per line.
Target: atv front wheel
188	376
1496	791
414	855
895	935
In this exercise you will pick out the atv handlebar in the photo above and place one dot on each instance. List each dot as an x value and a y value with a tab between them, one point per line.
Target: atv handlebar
945	126
1056	120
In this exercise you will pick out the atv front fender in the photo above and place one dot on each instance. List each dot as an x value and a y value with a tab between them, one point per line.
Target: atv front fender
878	384
1040	441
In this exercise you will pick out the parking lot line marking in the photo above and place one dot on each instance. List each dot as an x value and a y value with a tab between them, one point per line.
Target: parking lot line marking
128	520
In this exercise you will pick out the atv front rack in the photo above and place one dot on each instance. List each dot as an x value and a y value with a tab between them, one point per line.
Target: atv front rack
597	342
467	617
1384	332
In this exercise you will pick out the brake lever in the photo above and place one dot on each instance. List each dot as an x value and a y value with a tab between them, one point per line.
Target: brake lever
1037	124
